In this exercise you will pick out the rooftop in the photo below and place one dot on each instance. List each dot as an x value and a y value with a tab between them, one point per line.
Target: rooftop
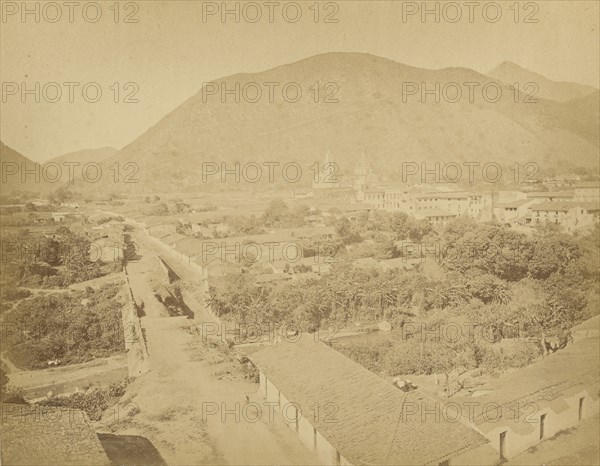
565	206
371	426
587	185
515	204
172	238
437	213
34	434
446	195
543	384
552	194
153	221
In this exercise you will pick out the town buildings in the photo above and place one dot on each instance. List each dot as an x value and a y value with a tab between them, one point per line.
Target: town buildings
572	216
574	208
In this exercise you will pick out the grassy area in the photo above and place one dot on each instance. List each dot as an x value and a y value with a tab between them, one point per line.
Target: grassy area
66	328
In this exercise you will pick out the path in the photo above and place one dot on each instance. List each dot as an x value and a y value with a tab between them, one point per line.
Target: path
183	380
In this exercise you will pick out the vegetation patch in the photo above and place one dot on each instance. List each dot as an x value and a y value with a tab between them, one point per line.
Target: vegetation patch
65	328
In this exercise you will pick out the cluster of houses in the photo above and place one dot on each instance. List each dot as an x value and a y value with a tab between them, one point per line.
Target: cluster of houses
275	256
574	209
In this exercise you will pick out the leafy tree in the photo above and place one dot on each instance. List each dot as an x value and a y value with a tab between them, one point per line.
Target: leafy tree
347	232
61	195
160	209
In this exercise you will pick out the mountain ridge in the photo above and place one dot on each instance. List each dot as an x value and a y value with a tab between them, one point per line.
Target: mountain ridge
367	106
560	91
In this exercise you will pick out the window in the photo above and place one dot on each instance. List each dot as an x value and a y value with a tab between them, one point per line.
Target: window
580	414
503	445
542	421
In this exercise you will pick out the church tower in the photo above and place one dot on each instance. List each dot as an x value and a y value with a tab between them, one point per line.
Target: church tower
328	176
363	168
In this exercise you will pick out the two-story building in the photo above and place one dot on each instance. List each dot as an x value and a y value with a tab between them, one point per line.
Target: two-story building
571	216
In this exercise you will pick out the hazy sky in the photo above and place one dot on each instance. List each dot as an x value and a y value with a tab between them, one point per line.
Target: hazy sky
171	51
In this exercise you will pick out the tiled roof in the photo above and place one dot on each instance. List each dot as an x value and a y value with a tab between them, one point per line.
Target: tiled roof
587	185
153	221
308	231
368	423
549	194
446	195
172	238
565	206
159	234
543	384
590	205
42	435
515	204
437	213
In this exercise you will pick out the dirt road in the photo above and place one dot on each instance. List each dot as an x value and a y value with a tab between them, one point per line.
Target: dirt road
68	379
186	381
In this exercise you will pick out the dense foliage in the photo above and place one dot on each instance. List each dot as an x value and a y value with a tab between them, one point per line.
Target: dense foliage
69	327
93	401
49	262
483	273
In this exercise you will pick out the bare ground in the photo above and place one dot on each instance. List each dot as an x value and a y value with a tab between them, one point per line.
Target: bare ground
166	405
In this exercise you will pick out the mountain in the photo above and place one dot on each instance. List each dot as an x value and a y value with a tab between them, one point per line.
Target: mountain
511	73
85	156
20	173
374	112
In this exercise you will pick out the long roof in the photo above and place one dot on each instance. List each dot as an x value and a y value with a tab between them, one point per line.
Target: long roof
436	213
543	385
172	238
515	204
362	415
565	194
446	195
156	220
34	434
565	206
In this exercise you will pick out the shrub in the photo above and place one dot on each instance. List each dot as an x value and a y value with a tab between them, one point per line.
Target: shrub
93	402
13	294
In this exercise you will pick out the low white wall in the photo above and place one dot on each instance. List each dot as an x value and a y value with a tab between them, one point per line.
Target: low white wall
516	442
324	450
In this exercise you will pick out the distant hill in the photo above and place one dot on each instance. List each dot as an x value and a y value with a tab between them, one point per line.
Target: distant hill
82	157
12	161
511	73
85	155
372	114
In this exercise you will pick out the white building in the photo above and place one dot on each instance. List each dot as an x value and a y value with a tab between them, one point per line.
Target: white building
572	216
348	415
